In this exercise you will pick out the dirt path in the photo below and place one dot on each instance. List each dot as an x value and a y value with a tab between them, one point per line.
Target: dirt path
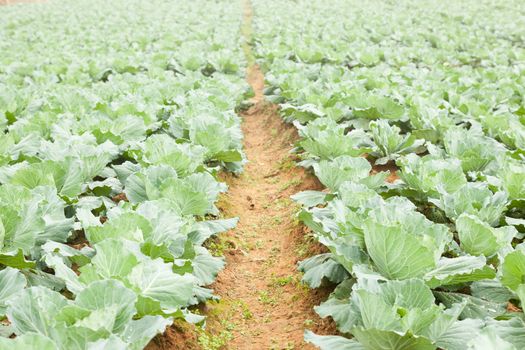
263	305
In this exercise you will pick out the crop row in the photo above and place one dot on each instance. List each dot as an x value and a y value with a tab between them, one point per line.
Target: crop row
412	116
117	115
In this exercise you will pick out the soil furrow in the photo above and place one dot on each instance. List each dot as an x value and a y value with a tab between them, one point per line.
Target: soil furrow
263	304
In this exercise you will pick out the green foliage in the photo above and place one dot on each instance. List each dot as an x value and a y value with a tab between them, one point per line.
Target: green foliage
422	259
116	117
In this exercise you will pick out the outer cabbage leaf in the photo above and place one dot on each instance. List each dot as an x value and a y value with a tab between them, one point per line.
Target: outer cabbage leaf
403	243
429	175
479	238
389	141
343	168
475	150
476	199
11	282
329	342
28	341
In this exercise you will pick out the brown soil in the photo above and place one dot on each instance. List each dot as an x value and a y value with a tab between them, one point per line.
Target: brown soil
390	167
180	336
263	302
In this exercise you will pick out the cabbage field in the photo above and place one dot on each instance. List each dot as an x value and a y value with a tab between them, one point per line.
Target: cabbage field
433	256
116	117
120	118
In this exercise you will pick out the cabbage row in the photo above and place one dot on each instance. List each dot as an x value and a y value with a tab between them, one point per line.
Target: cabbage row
412	114
116	117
